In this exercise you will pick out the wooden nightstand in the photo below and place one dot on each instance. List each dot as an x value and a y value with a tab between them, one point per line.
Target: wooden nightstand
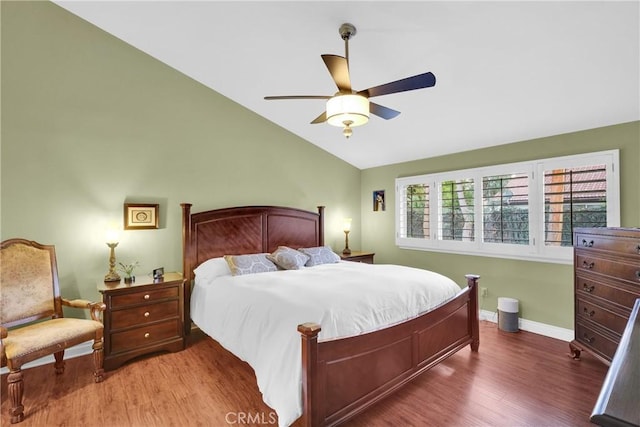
366	257
142	317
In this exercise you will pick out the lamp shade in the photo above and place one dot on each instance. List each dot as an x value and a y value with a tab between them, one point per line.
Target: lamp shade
347	224
347	110
111	235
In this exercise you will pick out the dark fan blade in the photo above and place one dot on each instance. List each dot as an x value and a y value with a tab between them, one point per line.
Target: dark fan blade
410	83
339	69
381	111
269	98
320	119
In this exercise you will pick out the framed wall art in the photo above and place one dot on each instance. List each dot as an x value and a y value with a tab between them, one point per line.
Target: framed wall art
140	216
378	200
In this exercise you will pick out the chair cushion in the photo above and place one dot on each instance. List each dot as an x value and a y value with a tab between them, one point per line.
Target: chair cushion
40	339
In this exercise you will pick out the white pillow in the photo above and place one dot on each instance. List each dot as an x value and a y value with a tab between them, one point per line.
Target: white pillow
212	268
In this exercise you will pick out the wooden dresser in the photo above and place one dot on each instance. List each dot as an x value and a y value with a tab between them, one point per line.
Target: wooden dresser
607	283
142	317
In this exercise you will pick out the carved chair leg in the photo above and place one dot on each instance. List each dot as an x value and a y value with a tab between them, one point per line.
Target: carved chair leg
15	386
59	364
98	360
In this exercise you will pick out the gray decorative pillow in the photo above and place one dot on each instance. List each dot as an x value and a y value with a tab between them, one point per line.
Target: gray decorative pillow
249	264
288	258
320	255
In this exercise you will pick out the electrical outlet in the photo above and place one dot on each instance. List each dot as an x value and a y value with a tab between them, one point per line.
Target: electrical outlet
484	292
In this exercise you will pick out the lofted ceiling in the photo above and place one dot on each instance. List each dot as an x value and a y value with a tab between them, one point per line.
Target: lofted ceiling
506	71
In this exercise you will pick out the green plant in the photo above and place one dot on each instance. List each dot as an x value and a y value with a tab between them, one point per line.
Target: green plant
127	269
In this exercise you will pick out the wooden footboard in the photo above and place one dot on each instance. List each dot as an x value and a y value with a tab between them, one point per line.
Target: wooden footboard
343	377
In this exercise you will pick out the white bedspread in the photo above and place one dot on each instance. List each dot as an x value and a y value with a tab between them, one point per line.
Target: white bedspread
256	316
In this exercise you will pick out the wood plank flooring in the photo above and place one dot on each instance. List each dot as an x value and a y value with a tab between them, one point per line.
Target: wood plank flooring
516	379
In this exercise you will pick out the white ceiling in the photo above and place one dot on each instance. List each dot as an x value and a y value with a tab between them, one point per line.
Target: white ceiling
506	71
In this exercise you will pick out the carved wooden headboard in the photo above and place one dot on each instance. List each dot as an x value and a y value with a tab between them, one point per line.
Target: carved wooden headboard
244	230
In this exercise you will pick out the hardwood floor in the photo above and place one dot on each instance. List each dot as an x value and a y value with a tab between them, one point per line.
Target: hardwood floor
516	379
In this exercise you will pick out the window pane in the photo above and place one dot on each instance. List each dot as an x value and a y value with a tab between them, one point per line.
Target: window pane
456	220
416	211
505	209
574	197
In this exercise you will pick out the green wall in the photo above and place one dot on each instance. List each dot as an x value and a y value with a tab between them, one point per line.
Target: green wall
89	123
545	290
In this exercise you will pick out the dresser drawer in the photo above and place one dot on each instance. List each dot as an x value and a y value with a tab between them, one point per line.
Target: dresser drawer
618	296
587	310
124	300
619	245
145	335
596	341
144	314
629	272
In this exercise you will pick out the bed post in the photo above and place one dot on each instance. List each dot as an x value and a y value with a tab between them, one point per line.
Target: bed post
472	283
187	263
321	226
310	415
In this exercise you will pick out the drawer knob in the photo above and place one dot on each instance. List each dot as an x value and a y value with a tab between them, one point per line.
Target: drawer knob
638	274
146	314
146	296
587	244
588	265
587	339
147	335
589	313
638	248
588	288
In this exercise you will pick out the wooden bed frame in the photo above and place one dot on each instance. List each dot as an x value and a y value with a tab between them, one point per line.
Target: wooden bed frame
341	377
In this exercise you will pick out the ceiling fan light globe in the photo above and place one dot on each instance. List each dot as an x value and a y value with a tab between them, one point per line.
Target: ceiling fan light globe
351	108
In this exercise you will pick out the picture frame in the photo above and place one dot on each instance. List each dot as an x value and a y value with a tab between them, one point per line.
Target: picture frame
378	200
140	216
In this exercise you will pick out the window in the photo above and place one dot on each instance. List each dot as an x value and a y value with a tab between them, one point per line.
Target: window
521	210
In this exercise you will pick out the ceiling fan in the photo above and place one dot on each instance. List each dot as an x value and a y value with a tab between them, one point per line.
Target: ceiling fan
348	108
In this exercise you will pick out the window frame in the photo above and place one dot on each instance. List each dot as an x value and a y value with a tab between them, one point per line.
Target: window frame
536	250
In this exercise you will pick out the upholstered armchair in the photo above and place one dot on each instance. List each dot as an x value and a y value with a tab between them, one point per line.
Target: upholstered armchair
31	319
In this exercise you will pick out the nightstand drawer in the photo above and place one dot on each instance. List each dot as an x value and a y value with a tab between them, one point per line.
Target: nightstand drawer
144	314
146	335
124	300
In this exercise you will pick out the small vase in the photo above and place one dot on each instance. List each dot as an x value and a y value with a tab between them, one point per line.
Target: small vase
129	279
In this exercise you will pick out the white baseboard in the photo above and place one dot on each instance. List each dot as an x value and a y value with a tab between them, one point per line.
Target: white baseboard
533	326
81	349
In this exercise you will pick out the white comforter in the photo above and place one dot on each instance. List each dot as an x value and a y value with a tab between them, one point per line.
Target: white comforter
256	316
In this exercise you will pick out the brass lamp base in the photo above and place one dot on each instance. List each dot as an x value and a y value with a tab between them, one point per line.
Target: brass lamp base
112	277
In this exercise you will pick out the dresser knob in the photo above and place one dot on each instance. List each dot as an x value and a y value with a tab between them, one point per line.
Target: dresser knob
588	265
588	288
638	274
146	296
146	314
587	339
638	248
587	244
147	335
589	313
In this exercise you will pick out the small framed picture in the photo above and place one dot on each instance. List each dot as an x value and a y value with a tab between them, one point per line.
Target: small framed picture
138	216
378	200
